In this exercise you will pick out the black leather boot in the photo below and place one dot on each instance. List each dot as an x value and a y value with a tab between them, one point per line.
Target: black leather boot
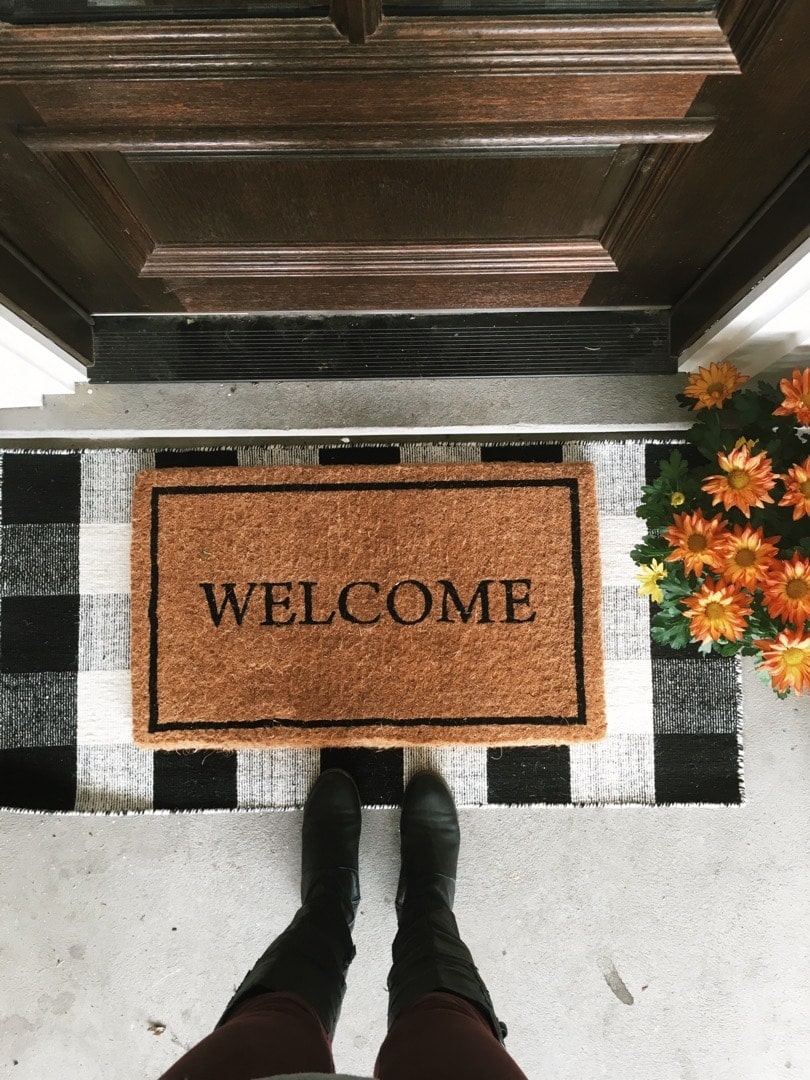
312	955
428	953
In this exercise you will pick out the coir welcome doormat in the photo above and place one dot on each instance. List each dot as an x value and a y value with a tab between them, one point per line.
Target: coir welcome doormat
674	719
366	606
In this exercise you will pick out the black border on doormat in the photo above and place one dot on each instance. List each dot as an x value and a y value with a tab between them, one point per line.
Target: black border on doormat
159	493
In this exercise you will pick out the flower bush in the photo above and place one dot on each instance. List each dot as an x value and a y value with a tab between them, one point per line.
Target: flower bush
726	558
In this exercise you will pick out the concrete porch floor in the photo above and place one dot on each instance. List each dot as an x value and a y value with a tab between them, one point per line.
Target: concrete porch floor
700	916
623	943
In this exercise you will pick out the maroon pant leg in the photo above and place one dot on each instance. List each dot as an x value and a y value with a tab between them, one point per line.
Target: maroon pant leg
266	1034
443	1037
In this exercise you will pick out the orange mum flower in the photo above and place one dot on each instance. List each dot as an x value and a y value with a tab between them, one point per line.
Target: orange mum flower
746	555
713	385
797	482
787	590
797	397
744	482
787	661
717	611
695	541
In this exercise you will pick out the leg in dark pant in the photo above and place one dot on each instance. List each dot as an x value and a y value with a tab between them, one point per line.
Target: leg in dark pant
441	1020
444	1037
264	1035
283	1016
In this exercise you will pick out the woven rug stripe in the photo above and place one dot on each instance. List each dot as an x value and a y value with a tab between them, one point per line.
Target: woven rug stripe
40	500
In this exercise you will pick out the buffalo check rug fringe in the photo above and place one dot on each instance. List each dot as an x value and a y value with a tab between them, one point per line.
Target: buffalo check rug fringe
674	718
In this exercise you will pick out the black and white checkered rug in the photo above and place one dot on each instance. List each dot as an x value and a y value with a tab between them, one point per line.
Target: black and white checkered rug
674	733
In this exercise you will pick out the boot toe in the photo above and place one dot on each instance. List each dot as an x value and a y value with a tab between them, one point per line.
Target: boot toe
333	800
430	844
331	832
428	805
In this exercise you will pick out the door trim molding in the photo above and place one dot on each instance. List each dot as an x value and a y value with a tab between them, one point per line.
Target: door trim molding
454	45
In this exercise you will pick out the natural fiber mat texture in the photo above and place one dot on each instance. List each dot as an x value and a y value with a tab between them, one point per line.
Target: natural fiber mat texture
673	718
376	605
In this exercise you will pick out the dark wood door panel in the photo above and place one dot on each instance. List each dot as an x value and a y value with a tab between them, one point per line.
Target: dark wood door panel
47	225
389	98
259	201
357	293
778	228
709	192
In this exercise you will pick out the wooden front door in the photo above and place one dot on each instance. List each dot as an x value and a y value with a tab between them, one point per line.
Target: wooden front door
285	156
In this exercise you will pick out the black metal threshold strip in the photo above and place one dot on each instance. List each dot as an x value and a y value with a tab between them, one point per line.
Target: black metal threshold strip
203	348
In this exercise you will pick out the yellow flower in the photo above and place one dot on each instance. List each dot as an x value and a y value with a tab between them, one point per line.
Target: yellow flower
742	441
650	578
797	397
678	498
717	611
797	482
747	554
744	482
695	540
787	660
713	385
787	590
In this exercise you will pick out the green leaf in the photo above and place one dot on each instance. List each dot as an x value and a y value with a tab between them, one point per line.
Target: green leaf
760	623
763	676
730	648
651	547
770	393
708	435
748	405
670	627
674	471
674	586
656	498
655	508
